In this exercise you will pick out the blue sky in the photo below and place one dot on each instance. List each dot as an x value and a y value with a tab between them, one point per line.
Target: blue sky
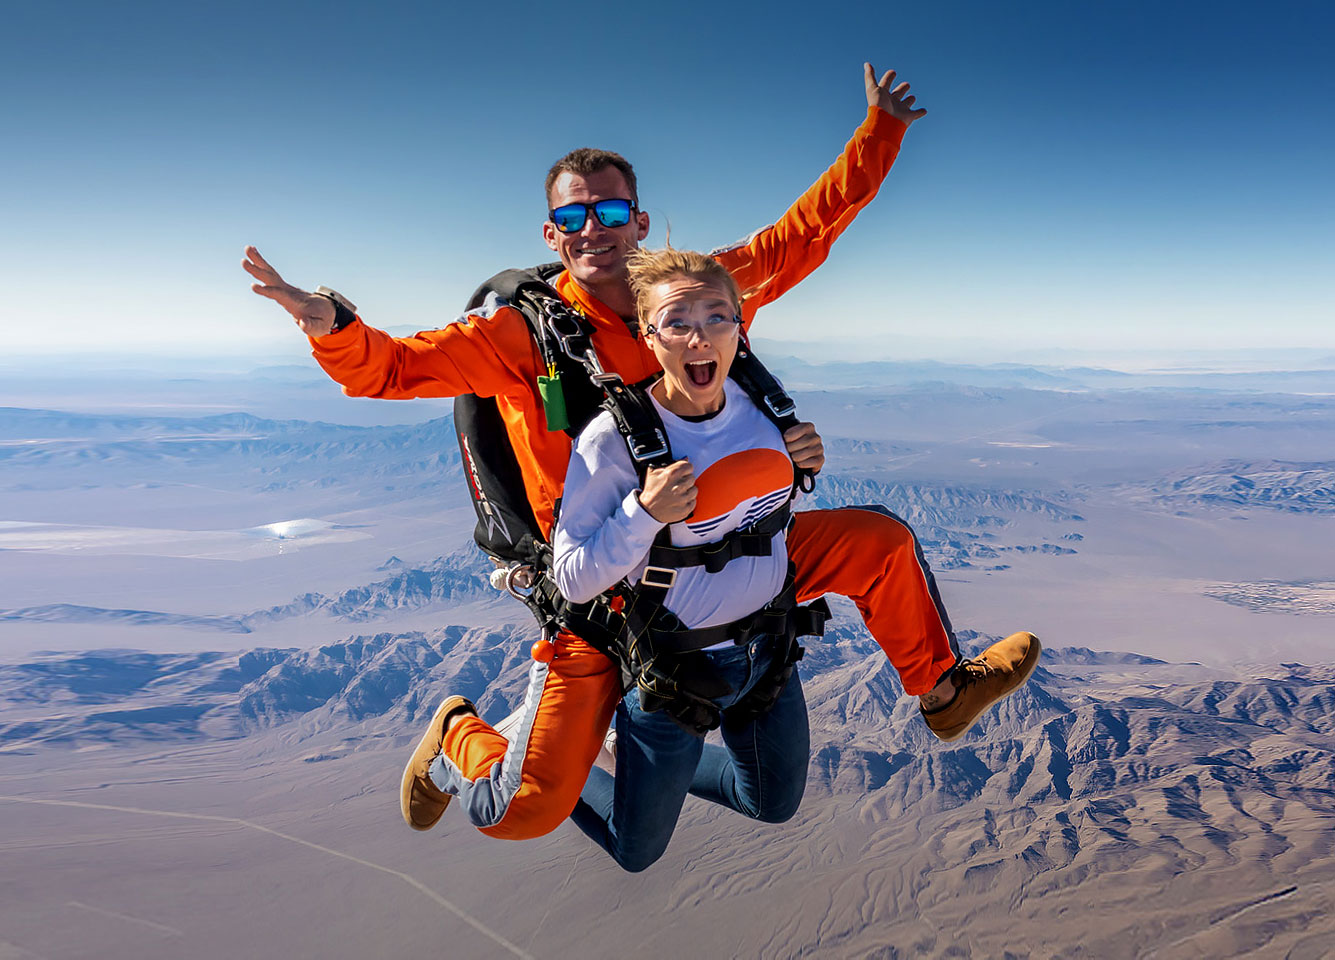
1098	177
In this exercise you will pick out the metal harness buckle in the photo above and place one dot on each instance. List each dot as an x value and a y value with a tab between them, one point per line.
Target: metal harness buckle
651	574
645	446
566	327
780	404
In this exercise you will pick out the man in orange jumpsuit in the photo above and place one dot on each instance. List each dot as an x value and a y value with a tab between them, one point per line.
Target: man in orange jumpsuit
525	786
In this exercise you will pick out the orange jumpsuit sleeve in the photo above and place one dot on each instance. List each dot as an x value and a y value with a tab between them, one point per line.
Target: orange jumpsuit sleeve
774	260
485	355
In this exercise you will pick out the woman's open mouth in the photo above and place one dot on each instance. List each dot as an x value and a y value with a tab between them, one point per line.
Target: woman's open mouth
701	372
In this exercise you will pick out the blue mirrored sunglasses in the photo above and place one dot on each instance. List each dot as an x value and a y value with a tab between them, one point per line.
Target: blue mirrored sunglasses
571	217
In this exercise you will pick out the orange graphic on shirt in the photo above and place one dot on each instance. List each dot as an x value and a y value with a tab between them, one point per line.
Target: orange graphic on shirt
738	477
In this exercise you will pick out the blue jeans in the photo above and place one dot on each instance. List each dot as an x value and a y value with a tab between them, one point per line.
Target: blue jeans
760	771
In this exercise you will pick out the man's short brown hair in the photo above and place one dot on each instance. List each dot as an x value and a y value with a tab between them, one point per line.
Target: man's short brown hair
587	161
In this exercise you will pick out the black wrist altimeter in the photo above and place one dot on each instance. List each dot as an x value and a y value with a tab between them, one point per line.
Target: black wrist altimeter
344	310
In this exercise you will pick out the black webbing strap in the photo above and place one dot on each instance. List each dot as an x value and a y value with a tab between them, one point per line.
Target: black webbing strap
780	617
773	401
640	426
595	622
762	697
528	291
685	685
763	388
756	540
573	332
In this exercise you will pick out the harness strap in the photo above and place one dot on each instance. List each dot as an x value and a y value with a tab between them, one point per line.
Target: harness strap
640	426
756	540
780	617
774	402
762	697
686	685
764	388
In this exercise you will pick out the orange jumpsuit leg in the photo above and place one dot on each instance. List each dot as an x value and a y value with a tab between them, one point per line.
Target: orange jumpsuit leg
872	557
524	789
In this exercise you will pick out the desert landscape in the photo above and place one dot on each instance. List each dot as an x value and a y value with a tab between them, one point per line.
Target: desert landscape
227	605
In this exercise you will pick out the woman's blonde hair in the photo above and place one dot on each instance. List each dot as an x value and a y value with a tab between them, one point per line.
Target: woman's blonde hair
648	268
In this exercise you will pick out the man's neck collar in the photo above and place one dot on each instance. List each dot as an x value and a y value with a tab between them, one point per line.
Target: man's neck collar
591	303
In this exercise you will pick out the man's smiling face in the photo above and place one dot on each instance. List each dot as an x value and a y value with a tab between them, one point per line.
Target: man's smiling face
595	255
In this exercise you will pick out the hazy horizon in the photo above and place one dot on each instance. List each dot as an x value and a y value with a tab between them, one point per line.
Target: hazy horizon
293	351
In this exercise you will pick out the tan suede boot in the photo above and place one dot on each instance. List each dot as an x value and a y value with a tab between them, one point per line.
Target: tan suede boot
993	675
420	800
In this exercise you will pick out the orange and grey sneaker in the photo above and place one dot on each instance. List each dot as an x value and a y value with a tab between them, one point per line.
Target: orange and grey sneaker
422	802
993	675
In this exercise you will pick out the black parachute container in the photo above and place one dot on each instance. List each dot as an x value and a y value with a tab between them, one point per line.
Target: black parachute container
506	527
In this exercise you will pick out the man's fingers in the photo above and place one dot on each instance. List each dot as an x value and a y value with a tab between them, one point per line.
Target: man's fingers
869	77
887	78
273	293
254	254
256	271
258	267
908	101
900	90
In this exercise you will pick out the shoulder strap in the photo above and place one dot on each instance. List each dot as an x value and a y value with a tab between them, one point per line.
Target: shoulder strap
525	289
774	402
639	424
638	421
763	388
571	391
509	284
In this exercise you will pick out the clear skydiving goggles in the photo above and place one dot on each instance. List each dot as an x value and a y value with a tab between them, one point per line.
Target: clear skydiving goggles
677	330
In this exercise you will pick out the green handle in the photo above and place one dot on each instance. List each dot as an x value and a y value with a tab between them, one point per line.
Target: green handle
553	403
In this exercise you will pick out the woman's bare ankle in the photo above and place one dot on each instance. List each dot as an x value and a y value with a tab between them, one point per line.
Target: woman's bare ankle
939	695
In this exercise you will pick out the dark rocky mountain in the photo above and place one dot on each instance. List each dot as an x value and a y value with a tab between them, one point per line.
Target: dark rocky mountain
1059	736
459	577
122	696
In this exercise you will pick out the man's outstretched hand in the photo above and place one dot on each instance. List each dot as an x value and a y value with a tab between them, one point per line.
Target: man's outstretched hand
312	313
893	100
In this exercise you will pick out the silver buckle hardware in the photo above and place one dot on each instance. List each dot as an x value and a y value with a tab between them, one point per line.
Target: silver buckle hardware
788	405
647	446
651	577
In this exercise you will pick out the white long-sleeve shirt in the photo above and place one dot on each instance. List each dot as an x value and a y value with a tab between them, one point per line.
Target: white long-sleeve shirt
742	473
